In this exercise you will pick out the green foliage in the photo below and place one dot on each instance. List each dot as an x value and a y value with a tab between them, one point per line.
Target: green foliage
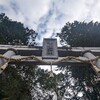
81	34
46	82
22	82
16	81
13	86
13	32
80	79
78	83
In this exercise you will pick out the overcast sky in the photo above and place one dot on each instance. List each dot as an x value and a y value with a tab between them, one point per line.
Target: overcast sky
47	17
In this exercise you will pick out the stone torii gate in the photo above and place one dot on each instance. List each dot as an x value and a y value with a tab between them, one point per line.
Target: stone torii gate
49	54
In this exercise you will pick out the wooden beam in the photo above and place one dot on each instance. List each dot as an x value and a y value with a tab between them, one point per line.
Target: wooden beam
60	63
37	50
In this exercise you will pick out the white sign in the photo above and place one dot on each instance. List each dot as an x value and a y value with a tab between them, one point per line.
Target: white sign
49	50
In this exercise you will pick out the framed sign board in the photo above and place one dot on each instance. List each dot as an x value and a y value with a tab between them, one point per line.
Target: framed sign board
49	50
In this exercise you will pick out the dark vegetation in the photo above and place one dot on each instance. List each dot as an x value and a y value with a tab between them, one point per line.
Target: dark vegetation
22	82
81	34
13	32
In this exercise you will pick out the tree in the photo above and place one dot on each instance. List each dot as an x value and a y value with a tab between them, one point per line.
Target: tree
16	81
22	82
13	32
26	82
79	82
81	34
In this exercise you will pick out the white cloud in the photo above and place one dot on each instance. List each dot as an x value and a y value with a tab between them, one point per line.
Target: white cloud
28	11
94	13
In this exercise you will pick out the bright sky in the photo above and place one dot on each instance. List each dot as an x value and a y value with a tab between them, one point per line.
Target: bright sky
47	17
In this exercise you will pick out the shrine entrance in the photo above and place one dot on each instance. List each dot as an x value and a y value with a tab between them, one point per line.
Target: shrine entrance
49	54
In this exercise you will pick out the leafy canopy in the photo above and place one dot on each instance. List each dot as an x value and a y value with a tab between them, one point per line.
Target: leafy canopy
80	79
22	82
81	34
13	32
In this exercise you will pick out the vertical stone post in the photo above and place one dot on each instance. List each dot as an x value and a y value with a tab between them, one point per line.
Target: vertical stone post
95	64
8	54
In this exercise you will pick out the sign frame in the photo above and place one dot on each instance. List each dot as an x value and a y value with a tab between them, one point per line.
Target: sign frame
49	50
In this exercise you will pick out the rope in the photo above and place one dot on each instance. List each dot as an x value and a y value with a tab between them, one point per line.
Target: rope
51	66
51	71
32	57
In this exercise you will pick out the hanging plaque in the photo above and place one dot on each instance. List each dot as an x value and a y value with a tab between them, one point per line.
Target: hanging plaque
49	50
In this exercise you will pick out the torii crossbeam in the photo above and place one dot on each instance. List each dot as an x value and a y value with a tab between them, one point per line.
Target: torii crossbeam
49	52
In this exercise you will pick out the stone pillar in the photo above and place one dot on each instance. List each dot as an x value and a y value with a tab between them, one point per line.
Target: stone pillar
96	64
8	54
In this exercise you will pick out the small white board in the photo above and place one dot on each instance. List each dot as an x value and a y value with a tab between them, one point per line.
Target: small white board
49	50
